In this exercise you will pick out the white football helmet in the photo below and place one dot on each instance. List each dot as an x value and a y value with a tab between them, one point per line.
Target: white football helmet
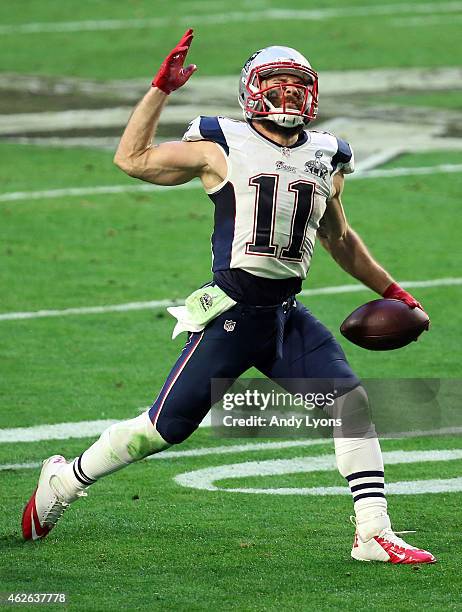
253	97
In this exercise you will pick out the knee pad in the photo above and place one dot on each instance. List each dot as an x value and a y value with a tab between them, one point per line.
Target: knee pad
175	429
135	439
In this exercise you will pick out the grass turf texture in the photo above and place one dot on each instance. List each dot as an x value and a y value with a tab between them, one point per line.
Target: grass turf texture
114	249
149	544
373	40
176	548
419	160
436	99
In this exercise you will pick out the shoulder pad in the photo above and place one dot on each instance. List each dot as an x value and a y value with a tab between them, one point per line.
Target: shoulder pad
344	158
207	128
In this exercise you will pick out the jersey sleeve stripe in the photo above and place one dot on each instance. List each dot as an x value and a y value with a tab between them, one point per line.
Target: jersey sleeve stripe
343	155
210	129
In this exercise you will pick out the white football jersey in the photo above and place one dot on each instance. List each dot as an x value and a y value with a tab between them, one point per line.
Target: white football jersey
268	208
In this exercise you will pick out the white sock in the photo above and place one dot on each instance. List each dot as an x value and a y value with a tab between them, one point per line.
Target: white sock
359	460
119	445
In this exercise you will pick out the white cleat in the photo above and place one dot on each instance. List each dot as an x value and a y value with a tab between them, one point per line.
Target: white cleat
389	548
48	502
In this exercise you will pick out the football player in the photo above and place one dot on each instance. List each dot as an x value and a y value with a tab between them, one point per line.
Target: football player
275	185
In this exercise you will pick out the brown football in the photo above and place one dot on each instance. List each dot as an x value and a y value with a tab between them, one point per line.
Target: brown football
383	325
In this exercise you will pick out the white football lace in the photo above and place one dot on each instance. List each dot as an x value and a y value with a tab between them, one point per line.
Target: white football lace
390	535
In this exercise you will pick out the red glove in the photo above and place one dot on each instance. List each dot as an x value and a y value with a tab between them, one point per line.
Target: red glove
172	74
395	292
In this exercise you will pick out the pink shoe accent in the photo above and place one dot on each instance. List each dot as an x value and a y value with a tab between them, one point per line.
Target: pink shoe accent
400	554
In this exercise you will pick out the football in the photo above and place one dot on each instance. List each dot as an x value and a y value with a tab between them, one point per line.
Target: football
384	325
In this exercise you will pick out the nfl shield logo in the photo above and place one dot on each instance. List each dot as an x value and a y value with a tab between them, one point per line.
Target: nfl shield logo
229	325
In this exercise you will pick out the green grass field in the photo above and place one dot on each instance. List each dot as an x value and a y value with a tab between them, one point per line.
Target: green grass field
141	540
172	548
159	551
436	99
362	41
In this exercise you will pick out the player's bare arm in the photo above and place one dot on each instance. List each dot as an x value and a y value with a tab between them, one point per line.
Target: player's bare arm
350	252
346	247
169	163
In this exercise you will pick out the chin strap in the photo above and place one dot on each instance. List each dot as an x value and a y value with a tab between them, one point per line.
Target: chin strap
285	120
281	118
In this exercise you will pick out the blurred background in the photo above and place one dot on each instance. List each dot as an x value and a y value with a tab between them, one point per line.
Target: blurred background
90	258
390	73
76	233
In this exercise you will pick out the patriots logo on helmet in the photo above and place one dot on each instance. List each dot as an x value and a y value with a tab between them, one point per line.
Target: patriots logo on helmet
251	58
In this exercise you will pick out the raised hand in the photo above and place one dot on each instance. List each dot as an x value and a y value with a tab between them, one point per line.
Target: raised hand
172	73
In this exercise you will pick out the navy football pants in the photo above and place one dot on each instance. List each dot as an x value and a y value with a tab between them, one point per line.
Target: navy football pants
309	350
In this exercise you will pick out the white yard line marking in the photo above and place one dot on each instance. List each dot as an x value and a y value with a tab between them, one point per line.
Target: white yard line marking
55	121
106	143
20	466
392	172
10	316
378	159
64	431
97	190
16	196
205	479
406	22
153	304
412	487
239	17
58	431
197	93
63	120
437	282
200	452
88	429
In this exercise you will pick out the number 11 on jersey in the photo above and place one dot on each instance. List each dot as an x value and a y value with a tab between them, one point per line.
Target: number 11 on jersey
265	217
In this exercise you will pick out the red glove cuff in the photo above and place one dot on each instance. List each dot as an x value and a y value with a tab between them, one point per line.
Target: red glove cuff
391	290
395	292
